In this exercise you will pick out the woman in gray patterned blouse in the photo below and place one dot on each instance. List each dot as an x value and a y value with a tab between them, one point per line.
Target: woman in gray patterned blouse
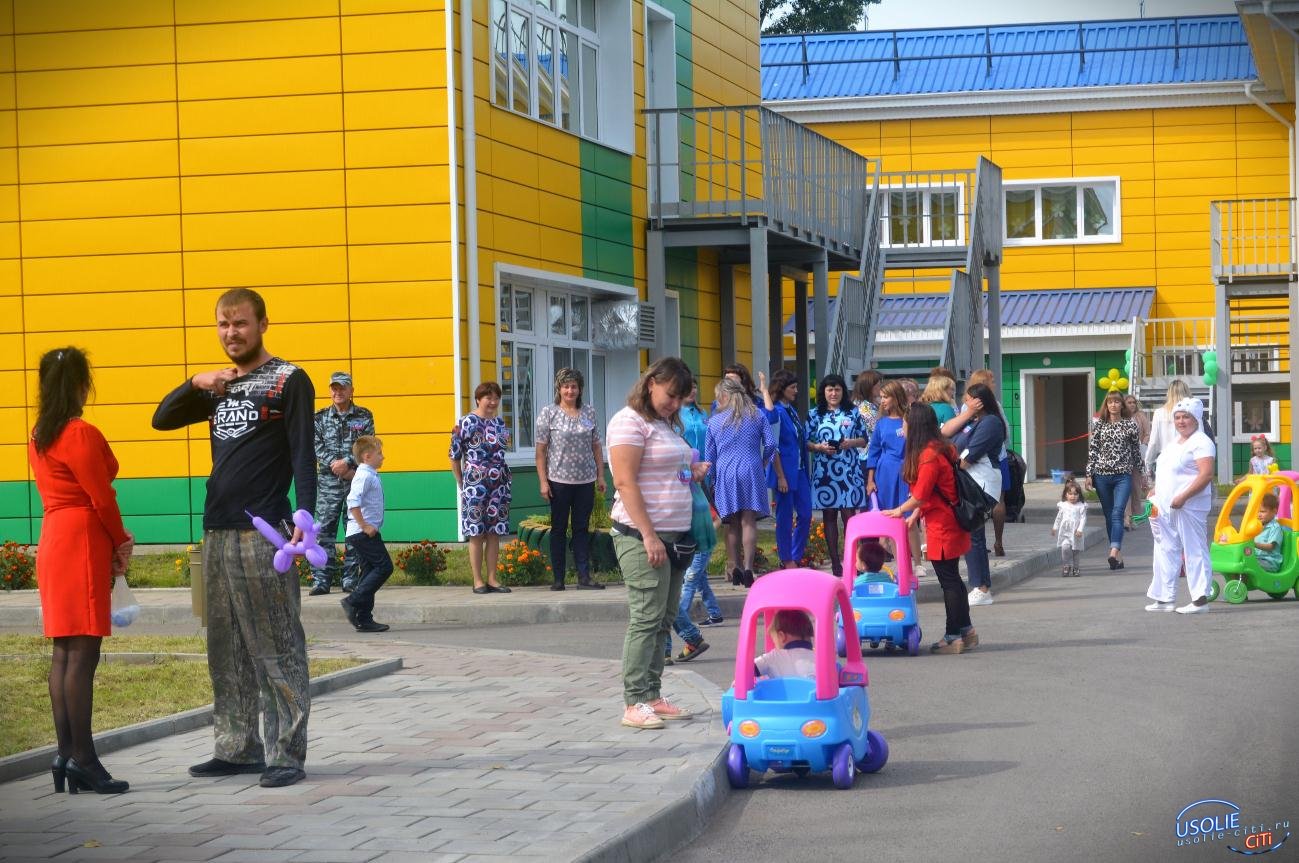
570	467
1113	453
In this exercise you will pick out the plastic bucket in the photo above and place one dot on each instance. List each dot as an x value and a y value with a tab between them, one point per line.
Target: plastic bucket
1059	476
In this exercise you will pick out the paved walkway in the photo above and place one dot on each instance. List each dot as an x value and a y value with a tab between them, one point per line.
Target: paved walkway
463	755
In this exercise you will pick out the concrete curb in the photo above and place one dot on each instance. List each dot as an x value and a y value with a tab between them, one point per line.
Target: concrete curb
35	761
647	833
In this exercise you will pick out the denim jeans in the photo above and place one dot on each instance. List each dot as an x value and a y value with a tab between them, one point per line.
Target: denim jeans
697	582
976	559
1113	490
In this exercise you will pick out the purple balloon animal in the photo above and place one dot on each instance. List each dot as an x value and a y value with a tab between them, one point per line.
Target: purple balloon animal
309	546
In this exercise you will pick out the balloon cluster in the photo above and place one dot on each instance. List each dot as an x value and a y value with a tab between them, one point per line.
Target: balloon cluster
1210	359
1127	362
1113	382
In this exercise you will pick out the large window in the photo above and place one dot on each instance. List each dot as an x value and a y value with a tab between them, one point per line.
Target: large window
1062	211
541	332
923	217
546	61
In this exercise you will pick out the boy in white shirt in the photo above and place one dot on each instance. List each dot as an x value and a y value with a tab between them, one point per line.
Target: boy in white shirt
364	519
792	632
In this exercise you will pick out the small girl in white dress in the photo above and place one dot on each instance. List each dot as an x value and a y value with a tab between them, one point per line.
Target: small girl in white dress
1261	456
1070	522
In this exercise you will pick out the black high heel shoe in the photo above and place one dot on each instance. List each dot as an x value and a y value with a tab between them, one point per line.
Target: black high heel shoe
59	770
95	779
748	578
737	577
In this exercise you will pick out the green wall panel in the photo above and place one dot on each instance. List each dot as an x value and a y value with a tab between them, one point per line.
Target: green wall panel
15	500
16	529
152	496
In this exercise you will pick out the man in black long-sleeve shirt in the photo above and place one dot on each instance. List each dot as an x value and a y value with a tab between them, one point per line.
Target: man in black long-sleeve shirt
260	416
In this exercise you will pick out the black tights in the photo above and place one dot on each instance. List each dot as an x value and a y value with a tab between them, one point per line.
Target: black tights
830	518
72	695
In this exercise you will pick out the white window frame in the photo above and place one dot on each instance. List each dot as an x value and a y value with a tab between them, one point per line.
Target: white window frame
543	285
1274	419
926	217
609	121
1079	182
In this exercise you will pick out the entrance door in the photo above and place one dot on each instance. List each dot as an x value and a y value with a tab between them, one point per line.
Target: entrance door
1057	416
661	92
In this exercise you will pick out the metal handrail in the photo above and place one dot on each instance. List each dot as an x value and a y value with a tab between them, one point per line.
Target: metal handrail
963	330
750	163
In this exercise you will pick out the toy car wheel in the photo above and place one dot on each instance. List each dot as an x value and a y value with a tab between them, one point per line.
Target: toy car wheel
737	767
1215	589
1235	591
841	642
842	769
877	753
913	641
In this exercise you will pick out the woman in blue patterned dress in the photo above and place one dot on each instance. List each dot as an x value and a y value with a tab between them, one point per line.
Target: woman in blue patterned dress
478	444
740	443
834	429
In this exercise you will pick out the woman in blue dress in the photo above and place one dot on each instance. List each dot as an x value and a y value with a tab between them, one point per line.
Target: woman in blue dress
787	476
478	444
884	461
834	429
740	443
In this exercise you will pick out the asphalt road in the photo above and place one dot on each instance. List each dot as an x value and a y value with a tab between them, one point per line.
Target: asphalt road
1077	731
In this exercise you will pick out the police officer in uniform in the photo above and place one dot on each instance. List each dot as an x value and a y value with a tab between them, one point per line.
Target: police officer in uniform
337	428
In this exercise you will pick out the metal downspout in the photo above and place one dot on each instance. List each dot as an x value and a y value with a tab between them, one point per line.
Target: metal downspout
454	194
471	184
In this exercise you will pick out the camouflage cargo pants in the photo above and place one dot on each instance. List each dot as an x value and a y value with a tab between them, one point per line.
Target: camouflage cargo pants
257	651
331	511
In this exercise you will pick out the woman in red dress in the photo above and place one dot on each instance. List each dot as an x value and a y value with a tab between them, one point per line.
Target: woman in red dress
928	468
83	546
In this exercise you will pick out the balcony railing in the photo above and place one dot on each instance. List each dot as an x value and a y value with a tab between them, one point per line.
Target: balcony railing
1260	344
750	163
1167	348
1252	237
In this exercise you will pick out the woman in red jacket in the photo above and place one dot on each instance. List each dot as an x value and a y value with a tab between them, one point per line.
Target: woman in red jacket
83	546
928	467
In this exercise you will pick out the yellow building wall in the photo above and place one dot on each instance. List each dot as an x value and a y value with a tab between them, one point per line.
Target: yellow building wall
1171	163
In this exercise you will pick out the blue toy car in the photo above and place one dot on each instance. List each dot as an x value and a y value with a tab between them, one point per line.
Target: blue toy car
883	609
800	724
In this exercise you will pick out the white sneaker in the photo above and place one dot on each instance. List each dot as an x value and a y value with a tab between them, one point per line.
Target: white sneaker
980	597
1192	608
919	570
1161	606
641	715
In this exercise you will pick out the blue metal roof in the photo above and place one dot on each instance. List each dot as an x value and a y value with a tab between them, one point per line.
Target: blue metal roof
1018	308
1008	57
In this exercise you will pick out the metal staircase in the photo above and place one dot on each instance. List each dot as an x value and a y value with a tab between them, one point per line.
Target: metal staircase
924	220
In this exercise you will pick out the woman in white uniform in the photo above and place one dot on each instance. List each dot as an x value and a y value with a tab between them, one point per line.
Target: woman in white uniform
1183	495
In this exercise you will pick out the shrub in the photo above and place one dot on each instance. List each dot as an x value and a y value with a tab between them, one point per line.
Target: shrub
817	553
17	566
422	561
600	519
519	564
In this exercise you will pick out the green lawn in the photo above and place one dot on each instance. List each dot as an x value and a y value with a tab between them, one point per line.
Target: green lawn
124	693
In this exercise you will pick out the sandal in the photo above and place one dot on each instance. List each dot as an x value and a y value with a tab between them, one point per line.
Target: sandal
483	589
945	646
997	550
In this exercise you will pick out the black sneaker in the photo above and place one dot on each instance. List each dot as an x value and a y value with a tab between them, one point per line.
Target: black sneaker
711	621
371	626
349	610
319	590
278	777
590	585
221	767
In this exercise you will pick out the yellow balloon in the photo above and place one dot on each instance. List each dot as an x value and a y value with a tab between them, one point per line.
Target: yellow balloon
1122	383
1104	383
1114	374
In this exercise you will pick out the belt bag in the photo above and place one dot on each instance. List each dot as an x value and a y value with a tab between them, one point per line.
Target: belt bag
680	551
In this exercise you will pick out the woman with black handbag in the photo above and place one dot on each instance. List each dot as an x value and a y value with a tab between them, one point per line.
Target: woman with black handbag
929	467
979	444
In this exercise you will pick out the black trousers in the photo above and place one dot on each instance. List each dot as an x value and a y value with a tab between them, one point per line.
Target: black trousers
956	600
575	501
376	566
